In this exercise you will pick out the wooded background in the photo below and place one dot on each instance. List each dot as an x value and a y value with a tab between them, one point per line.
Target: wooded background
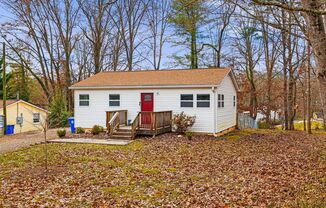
276	48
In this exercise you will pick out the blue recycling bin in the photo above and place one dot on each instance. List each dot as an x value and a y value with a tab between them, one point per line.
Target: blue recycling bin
72	124
10	129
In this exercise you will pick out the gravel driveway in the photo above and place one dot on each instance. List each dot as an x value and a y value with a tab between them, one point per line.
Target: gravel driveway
13	142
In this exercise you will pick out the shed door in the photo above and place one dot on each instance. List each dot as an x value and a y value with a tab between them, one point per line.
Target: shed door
147	106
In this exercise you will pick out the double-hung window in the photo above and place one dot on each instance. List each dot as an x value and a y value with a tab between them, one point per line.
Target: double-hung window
220	100
234	101
187	100
114	100
36	117
83	100
203	100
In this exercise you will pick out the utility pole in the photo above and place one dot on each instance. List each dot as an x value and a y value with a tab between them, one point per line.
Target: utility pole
4	90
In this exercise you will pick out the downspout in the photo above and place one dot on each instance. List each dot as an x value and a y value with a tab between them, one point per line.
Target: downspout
214	90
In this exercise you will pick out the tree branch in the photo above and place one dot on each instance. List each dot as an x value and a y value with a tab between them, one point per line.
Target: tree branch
289	8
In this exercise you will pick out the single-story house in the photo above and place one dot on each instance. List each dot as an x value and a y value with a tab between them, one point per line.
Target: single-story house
23	115
148	99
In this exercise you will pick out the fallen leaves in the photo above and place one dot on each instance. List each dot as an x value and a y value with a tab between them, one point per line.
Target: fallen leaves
256	169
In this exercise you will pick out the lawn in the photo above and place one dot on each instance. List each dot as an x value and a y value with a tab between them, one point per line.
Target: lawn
247	168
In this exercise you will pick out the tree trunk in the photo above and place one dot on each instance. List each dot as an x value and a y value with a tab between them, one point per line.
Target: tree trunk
317	37
4	90
309	93
285	79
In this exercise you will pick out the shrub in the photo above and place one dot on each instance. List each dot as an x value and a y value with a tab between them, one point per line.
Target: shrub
101	128
189	135
59	114
262	124
80	130
183	122
61	133
97	129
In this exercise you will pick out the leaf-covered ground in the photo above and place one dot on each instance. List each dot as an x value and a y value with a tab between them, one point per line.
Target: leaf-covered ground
244	169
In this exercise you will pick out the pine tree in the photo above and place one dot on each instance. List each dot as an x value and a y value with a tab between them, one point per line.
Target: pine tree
187	16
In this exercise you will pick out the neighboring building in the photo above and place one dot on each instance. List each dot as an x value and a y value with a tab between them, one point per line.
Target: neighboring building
208	94
25	116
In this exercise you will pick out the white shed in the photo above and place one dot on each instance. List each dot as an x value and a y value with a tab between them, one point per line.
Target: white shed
146	100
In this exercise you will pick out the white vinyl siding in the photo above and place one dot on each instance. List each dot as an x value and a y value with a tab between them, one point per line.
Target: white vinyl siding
164	99
227	115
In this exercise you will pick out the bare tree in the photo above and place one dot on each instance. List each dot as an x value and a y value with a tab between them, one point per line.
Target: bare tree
221	15
248	43
157	17
128	21
271	40
98	20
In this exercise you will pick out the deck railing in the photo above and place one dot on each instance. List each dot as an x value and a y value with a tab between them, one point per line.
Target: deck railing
156	120
122	113
135	126
148	123
114	123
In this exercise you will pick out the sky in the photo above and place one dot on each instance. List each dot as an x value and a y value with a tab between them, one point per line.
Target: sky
168	49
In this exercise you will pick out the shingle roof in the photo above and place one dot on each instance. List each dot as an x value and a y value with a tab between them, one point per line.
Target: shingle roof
211	76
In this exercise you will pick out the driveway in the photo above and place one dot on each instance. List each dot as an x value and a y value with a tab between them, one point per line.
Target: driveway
13	142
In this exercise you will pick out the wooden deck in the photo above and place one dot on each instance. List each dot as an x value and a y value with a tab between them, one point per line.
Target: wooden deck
145	123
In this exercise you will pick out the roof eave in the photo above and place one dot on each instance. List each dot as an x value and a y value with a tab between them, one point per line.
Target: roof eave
143	87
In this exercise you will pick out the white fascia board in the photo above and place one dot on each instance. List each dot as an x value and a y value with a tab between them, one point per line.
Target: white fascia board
142	87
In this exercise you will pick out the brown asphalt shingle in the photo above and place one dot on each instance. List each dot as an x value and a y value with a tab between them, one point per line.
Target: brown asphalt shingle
211	76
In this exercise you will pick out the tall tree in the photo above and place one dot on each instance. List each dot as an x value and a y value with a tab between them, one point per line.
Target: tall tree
187	16
248	43
97	30
157	17
314	13
128	20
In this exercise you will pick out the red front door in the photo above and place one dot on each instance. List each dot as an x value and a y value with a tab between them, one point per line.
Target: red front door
147	106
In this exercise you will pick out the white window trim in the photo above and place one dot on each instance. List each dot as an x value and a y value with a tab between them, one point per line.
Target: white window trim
203	101
39	118
115	100
79	100
220	99
188	101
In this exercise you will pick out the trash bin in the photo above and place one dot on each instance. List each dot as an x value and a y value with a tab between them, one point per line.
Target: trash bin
10	129
72	124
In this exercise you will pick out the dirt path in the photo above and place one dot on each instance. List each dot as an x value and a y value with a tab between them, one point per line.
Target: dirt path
13	142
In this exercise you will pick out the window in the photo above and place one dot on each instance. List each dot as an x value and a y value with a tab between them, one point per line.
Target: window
234	101
36	117
203	101
220	100
147	98
84	100
187	100
114	100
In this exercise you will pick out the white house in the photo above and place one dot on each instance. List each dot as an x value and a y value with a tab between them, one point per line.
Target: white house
147	99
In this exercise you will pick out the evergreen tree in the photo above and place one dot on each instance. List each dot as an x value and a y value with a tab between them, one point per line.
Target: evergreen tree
187	16
59	114
20	82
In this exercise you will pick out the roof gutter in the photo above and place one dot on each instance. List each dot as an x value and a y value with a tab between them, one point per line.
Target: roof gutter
140	87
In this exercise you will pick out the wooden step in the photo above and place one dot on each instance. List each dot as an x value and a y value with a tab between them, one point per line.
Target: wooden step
122	137
124	130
